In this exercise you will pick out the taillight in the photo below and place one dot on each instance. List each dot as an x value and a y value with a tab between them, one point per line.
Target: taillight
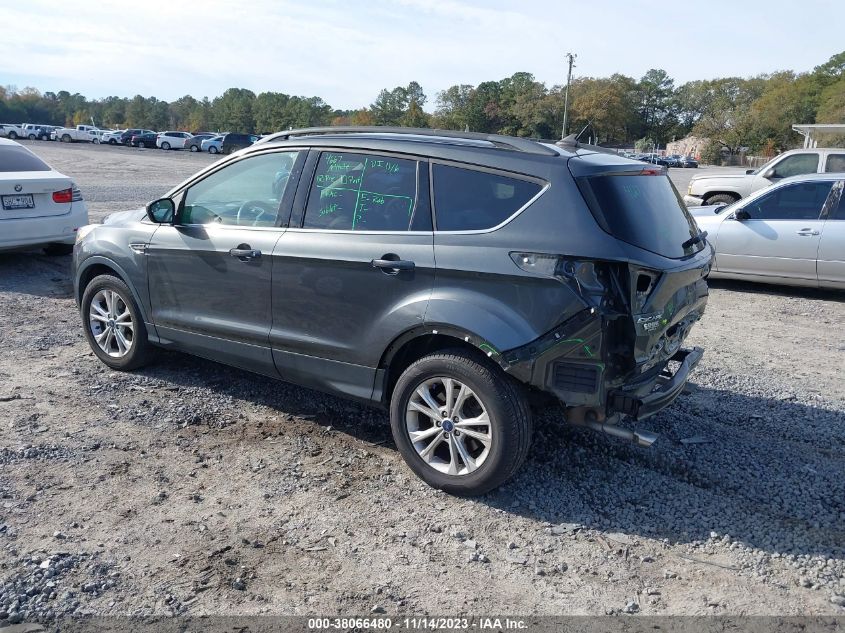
77	194
63	197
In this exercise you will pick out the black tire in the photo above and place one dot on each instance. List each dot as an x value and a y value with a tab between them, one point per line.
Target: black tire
165	145
194	148
212	149
141	351
112	141
507	409
66	138
13	135
31	137
720	198
58	249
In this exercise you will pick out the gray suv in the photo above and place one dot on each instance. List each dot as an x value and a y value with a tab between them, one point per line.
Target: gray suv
451	278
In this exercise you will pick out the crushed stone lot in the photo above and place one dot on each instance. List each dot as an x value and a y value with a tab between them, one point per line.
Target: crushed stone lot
192	488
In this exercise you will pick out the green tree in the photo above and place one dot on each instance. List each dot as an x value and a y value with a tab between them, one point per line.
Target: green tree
233	110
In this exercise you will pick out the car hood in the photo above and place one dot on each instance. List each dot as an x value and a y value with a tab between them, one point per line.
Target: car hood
123	218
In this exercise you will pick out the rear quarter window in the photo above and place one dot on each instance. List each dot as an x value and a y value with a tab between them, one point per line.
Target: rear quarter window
473	200
14	158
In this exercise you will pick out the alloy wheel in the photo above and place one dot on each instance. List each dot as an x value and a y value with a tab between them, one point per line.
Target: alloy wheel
449	426
111	323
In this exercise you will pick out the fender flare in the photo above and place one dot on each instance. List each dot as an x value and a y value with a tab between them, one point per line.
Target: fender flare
95	260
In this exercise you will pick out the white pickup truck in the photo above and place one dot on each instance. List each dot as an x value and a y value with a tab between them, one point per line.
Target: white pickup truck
86	133
11	130
728	188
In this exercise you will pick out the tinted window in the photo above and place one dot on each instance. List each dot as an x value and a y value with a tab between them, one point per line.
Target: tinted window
800	201
245	193
835	162
472	200
14	158
796	165
362	192
645	211
837	208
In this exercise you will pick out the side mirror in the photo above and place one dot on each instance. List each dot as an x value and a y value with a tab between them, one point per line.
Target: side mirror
742	215
161	211
770	173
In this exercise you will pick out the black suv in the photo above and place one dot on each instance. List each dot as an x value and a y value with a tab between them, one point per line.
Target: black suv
234	142
445	276
126	136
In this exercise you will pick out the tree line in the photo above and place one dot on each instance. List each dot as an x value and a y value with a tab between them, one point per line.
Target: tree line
735	112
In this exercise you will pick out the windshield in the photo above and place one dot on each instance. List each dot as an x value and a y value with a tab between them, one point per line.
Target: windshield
643	210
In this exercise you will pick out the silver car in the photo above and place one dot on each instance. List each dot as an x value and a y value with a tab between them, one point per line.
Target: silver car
790	233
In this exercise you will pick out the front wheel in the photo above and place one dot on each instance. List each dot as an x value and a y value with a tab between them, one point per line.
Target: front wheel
66	138
194	148
113	324
461	424
32	137
165	146
721	198
96	141
13	135
212	150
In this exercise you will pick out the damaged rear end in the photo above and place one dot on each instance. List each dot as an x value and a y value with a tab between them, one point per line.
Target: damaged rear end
622	353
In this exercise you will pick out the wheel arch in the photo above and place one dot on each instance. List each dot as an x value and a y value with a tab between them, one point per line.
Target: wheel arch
721	192
416	343
99	265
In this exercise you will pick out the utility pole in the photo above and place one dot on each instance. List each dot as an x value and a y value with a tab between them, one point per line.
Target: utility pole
571	58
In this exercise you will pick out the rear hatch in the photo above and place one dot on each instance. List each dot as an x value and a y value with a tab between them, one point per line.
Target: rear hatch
29	188
661	287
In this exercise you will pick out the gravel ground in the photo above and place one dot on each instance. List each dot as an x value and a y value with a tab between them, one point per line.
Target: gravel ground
192	488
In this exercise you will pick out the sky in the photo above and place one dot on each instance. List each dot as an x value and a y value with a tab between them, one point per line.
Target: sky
346	52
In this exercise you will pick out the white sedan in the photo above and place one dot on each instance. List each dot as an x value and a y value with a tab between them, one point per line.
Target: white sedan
790	233
38	205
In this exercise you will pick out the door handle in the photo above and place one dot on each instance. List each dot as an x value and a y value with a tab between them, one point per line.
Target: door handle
807	232
245	254
391	265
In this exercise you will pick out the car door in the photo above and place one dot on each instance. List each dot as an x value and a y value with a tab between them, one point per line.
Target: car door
354	271
209	272
831	259
780	239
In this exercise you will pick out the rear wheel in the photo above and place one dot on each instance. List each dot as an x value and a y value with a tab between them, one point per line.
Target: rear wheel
461	425
66	138
13	135
112	141
113	324
194	148
32	137
721	198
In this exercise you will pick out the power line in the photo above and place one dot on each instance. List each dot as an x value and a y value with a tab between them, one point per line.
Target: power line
571	58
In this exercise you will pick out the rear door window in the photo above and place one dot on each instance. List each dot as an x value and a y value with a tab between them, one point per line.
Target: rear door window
835	163
362	192
474	200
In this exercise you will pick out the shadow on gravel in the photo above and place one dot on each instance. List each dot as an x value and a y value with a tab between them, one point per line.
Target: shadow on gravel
798	292
765	470
36	274
736	460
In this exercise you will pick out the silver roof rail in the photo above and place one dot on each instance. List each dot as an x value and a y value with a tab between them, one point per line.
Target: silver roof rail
512	143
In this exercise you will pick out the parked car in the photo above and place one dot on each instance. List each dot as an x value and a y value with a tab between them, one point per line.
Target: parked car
146	139
172	140
85	133
234	142
12	130
212	145
728	188
126	136
39	132
112	137
38	205
790	233
672	160
447	321
194	143
688	161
